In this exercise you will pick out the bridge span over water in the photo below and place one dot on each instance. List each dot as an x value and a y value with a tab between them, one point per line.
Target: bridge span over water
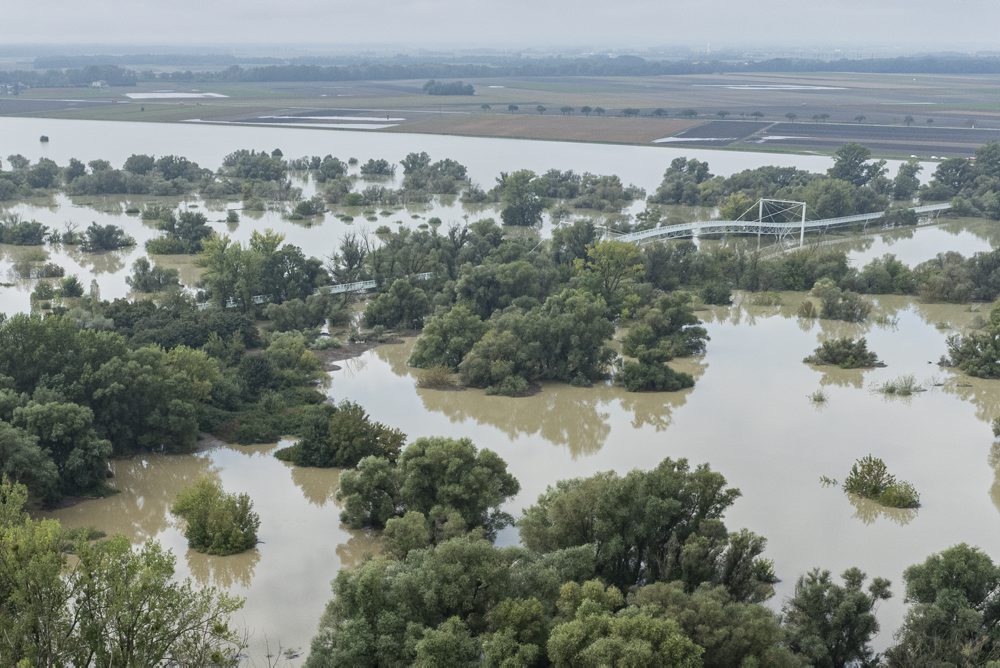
761	226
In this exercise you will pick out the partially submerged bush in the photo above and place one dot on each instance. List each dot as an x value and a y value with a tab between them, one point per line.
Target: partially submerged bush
847	353
870	478
217	523
903	386
437	378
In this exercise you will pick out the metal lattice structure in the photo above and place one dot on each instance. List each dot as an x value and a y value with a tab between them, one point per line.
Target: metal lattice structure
765	224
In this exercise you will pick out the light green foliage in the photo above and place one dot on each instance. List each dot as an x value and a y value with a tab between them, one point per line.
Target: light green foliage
342	437
217	522
832	625
953	614
597	631
870	478
409	532
847	353
381	609
837	304
732	633
609	270
112	606
185	233
438	477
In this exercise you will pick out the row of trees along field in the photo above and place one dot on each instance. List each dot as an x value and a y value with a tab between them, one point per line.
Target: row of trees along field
854	184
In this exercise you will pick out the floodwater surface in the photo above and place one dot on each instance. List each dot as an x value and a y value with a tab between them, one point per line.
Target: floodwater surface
749	415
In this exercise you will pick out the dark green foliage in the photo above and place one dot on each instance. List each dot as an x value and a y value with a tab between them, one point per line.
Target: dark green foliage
973	183
520	204
847	353
668	327
403	306
651	374
19	232
342	437
147	277
433	87
953	612
254	165
562	339
830	624
65	432
217	522
382	609
379	168
870	478
664	524
716	293
185	233
105	238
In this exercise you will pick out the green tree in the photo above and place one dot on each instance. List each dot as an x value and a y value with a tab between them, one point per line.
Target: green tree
447	646
342	437
830	624
520	204
599	631
24	462
906	183
664	524
66	432
953	614
447	338
403	305
851	164
609	269
216	522
111	606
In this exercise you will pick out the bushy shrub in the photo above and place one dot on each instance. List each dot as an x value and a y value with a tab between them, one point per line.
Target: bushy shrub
870	478
846	353
217	523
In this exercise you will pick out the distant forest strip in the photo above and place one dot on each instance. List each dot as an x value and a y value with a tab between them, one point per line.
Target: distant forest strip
389	69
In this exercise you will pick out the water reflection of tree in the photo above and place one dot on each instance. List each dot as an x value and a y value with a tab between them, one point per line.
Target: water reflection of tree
148	487
868	511
318	485
571	417
994	460
358	547
223	572
833	376
107	262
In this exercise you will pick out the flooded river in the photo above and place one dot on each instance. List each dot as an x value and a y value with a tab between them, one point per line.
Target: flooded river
749	415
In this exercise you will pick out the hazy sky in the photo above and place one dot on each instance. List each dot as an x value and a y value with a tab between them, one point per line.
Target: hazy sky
912	24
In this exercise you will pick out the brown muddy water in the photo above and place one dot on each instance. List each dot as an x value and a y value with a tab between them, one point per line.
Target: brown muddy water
749	416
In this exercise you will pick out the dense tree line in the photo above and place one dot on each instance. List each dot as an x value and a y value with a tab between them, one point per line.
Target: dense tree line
433	87
82	70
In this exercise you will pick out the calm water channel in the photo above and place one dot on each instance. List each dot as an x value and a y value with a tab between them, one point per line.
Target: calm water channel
749	415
